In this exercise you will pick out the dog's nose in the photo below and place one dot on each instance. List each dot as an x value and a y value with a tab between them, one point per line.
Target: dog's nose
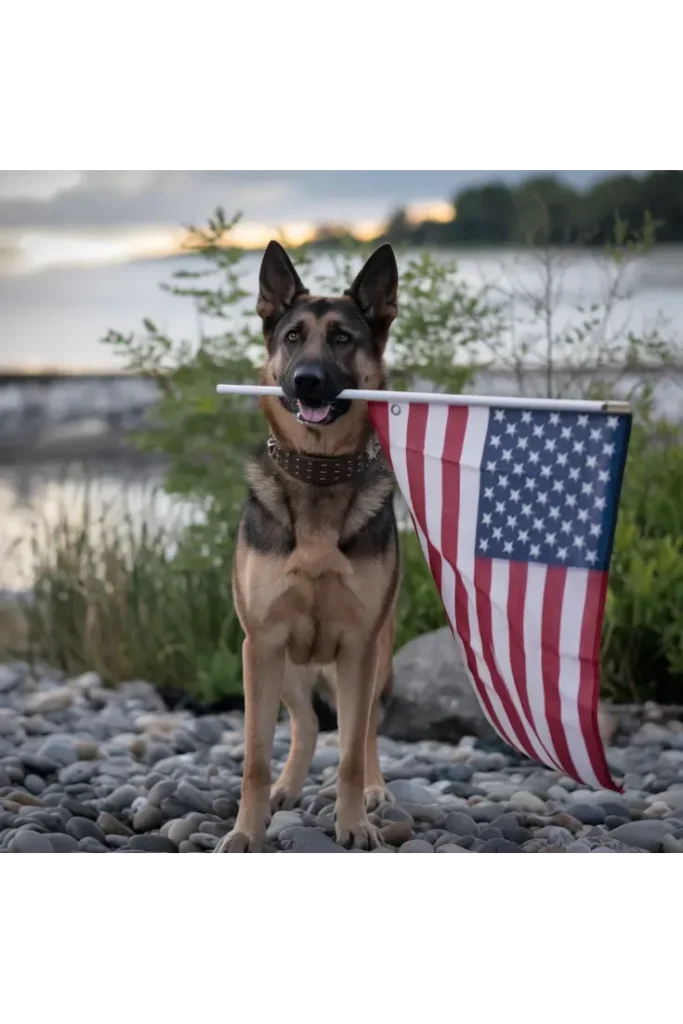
309	379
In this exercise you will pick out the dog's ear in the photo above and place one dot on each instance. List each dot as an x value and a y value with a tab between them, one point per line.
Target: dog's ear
279	284
375	289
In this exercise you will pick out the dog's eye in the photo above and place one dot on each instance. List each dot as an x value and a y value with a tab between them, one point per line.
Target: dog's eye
293	335
343	337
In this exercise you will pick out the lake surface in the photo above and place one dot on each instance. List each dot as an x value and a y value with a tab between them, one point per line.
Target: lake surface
57	319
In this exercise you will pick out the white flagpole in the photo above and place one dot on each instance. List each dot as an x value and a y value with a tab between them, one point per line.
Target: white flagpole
436	398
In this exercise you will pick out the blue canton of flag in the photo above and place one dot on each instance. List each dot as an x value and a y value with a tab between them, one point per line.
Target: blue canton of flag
548	486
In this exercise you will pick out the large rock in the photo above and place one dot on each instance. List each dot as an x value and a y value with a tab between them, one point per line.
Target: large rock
432	697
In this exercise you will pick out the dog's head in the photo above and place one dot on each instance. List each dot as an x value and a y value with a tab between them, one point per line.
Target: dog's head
318	346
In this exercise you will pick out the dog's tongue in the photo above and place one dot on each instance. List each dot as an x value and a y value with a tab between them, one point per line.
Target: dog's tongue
313	415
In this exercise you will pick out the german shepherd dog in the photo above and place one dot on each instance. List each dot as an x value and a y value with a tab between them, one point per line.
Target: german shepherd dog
316	568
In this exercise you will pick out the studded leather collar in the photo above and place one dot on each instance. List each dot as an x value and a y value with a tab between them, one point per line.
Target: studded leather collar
320	470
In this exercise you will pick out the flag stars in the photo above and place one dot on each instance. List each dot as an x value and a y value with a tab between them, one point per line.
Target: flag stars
553	474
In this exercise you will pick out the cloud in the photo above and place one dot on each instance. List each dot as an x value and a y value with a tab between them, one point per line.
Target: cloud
72	199
105	198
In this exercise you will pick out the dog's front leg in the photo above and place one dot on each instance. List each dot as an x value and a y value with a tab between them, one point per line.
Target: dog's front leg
356	672
262	671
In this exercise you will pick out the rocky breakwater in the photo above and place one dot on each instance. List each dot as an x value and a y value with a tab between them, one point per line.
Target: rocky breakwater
87	769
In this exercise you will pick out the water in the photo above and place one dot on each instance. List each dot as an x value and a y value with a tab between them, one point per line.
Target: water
56	319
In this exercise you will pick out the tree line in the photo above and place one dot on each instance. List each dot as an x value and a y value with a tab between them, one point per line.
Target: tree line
545	210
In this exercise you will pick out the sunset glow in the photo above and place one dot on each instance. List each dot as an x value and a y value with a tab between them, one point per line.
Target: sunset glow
33	251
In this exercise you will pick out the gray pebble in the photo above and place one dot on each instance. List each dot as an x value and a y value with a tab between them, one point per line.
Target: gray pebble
194	798
461	824
62	843
645	834
151	843
90	845
587	814
451	848
80	828
416	846
203	841
500	846
406	791
225	807
147	818
182	828
34	784
122	797
111	825
30	842
160	791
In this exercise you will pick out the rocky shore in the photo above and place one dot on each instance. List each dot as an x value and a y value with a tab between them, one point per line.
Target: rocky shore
87	769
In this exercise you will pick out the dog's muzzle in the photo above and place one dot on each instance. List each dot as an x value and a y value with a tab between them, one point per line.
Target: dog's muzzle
311	389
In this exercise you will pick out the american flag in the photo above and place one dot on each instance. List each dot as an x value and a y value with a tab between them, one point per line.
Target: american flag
515	509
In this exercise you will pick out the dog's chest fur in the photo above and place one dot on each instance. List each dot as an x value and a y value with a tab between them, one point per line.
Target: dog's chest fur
282	514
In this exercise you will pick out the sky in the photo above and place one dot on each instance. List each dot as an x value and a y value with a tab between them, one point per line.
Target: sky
60	219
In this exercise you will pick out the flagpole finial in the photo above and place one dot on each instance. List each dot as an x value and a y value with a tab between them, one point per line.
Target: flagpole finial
617	407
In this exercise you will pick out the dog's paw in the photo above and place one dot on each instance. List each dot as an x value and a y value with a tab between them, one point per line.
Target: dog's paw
376	795
240	841
360	836
283	797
